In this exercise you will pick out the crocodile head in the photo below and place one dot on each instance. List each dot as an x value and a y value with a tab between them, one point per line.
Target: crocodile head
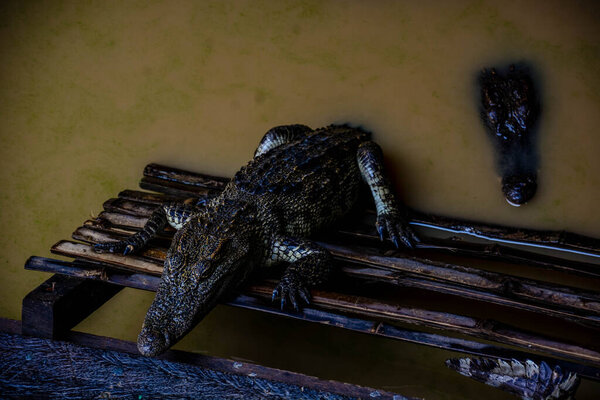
206	259
510	109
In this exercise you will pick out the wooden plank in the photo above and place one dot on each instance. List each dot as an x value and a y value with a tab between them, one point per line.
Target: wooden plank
109	368
135	263
147	197
94	271
487	329
510	291
172	188
372	327
372	308
502	284
184	177
362	228
61	302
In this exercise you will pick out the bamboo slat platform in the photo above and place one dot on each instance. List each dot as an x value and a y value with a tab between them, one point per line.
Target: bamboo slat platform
377	289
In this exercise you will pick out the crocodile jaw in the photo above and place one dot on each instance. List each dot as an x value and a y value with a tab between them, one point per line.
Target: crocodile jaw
179	306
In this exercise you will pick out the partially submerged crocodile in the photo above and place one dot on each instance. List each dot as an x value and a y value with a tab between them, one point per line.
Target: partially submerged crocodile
510	109
528	380
299	181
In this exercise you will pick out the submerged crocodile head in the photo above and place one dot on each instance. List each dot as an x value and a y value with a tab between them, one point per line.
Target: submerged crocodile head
510	109
207	258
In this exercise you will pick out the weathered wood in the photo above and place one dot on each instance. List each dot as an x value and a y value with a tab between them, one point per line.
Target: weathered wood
506	290
62	302
184	177
132	263
362	228
362	306
554	239
529	240
172	188
503	284
375	262
95	271
58	369
147	197
487	329
146	282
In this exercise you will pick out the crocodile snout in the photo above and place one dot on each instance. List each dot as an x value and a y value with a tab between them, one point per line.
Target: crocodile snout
519	189
152	342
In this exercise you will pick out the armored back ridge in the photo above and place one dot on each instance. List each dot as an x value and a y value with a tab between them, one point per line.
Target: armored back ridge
299	181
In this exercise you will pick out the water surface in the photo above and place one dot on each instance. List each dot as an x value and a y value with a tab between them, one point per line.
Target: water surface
91	92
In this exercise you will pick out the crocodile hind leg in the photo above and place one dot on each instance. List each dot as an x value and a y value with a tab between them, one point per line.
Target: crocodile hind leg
391	219
279	135
175	214
309	266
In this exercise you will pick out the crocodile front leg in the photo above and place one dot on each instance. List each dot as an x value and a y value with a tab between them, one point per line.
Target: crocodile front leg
390	218
175	214
309	266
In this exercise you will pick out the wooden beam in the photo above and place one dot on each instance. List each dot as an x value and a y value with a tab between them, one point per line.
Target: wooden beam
61	302
83	269
379	310
367	263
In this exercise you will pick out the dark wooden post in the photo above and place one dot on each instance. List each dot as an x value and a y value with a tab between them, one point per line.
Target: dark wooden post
60	303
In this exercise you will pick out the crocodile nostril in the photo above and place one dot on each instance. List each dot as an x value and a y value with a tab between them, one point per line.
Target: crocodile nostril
519	189
152	342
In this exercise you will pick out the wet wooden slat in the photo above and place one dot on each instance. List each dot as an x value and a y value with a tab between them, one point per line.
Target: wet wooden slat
364	306
363	229
132	263
508	289
516	287
83	269
184	177
95	235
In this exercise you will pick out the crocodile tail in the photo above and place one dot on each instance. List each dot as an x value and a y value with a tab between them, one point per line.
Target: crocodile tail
528	380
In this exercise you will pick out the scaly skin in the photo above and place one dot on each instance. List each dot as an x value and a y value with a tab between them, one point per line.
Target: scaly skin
299	182
528	380
510	109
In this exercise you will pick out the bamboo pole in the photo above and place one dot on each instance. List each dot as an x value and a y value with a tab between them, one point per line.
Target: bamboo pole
84	269
502	289
363	306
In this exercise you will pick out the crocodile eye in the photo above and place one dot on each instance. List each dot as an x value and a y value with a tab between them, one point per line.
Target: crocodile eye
175	260
219	250
204	269
186	243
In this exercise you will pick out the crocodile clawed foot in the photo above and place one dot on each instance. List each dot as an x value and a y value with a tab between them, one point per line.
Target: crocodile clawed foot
293	289
121	247
397	229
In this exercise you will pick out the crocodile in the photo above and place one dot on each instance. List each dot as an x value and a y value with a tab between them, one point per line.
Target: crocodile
299	181
528	380
510	108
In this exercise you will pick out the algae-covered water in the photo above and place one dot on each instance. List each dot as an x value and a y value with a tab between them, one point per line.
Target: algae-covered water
90	92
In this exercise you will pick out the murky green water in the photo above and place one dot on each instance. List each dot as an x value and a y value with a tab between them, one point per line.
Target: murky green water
91	92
